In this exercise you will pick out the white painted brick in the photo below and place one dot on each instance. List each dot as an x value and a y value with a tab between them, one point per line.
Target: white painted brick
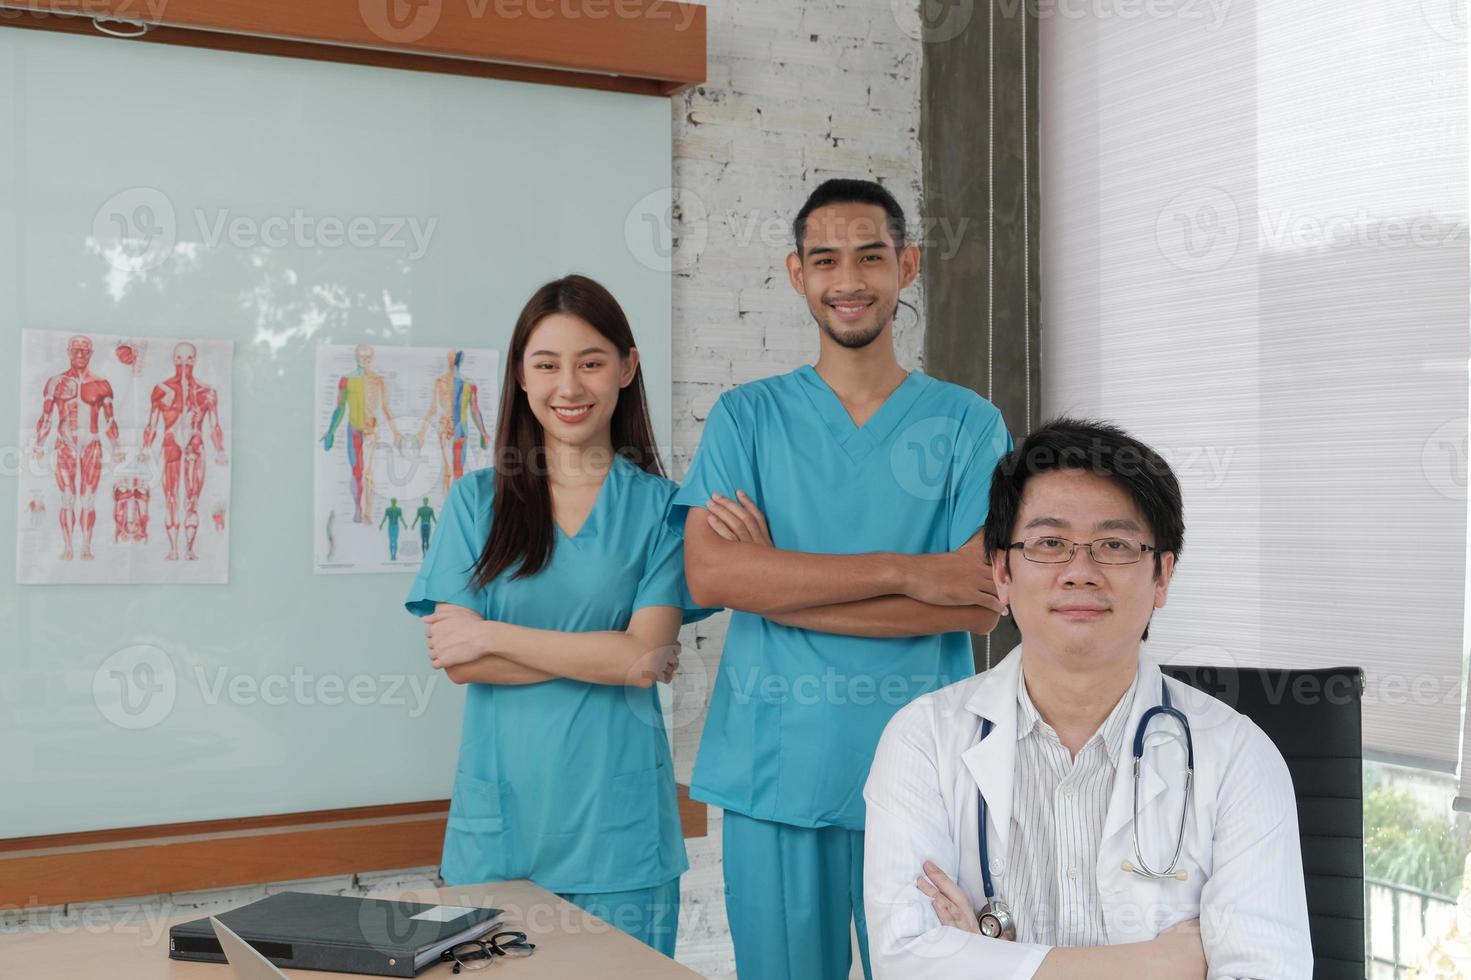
724	113
889	165
764	14
780	298
825	52
746	42
703	398
734	338
717	75
743	370
779	119
872	126
884	26
706	367
879	59
795	334
703	302
832	20
697	146
776	152
758	79
840	159
893	94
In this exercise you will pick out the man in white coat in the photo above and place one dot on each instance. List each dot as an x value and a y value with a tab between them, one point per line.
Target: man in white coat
1084	529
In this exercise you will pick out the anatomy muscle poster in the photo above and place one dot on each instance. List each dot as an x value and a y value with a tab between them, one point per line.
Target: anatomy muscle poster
126	470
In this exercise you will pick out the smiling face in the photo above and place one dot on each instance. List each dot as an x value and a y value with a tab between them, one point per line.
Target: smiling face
1081	609
572	376
851	271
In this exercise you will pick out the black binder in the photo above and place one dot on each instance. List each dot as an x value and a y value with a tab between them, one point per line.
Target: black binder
334	932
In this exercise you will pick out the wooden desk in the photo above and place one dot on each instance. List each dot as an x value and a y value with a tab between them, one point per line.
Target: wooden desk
569	943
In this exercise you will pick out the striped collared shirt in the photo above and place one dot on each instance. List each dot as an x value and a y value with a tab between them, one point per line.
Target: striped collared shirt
1057	811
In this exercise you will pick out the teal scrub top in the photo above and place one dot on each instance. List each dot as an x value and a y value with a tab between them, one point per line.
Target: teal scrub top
796	715
564	782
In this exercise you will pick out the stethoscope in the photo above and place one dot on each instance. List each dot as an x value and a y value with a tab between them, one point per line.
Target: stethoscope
996	919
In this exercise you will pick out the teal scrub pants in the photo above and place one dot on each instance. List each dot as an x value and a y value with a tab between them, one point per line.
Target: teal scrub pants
650	915
790	895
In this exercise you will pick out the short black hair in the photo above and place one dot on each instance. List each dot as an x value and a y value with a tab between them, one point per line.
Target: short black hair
1102	449
841	190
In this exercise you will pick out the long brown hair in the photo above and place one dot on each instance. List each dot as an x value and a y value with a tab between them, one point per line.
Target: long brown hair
521	529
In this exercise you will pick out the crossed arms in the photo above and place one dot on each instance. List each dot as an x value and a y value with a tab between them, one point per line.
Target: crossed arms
730	561
471	649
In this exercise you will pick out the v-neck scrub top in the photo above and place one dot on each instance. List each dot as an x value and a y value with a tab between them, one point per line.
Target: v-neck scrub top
564	782
796	715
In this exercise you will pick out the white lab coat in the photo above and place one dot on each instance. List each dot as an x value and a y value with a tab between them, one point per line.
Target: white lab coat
1241	845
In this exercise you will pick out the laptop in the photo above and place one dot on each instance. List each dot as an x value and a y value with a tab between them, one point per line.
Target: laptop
242	957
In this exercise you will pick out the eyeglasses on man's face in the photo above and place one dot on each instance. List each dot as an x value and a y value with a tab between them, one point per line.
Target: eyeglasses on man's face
1049	549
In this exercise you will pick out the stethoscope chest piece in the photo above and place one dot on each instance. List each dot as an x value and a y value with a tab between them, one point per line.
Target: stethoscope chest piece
996	921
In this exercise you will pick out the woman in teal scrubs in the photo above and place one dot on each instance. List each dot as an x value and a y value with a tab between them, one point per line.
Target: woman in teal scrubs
555	590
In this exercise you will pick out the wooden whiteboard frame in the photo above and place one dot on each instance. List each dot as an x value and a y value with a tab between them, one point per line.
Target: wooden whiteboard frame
644	47
101	865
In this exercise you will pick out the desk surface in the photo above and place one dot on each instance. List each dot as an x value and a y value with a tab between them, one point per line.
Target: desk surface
569	943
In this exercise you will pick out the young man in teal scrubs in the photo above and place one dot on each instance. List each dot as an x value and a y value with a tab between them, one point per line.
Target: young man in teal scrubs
837	509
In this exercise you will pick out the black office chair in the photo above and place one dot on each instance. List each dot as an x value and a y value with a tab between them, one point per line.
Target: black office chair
1314	718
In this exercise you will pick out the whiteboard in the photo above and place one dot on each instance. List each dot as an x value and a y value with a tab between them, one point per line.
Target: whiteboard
150	190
